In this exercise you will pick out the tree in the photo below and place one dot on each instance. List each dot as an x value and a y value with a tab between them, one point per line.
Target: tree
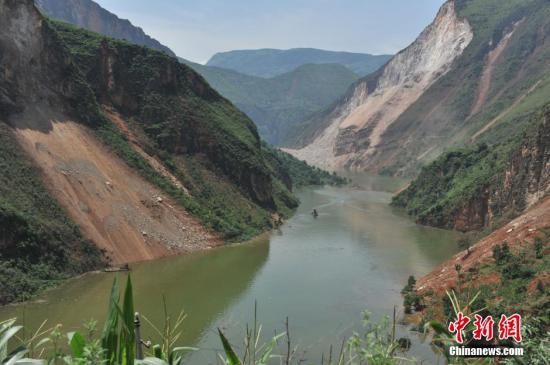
539	248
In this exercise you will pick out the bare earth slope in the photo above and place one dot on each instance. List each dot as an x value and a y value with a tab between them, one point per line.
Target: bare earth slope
517	232
475	74
356	128
123	214
136	155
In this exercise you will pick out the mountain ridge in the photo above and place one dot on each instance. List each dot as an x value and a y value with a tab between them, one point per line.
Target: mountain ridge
92	16
441	116
118	153
280	103
270	62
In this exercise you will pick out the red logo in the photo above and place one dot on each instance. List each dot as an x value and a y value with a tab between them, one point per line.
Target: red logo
508	327
458	326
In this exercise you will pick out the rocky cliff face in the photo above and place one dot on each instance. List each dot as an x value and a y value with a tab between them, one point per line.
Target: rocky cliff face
113	151
89	15
356	127
525	181
154	89
474	75
485	187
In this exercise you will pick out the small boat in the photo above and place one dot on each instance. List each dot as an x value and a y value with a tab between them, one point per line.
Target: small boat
314	213
124	267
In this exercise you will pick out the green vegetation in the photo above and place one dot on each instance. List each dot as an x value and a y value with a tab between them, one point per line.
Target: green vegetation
280	103
452	113
90	14
411	300
522	288
235	184
39	246
303	174
209	145
274	62
452	180
465	178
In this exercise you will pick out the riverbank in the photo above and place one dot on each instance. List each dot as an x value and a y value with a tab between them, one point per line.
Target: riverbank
320	272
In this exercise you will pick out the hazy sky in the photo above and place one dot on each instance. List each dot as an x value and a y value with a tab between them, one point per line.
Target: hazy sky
196	29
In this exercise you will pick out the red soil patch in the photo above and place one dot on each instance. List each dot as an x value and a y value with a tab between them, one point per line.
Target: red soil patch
517	233
114	206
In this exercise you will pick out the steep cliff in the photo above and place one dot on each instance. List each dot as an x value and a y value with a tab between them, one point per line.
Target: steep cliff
356	126
89	15
116	152
474	75
478	188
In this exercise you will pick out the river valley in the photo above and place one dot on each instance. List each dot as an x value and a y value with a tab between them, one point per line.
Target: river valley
320	272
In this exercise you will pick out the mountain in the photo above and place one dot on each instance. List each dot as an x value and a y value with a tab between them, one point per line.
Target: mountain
275	105
474	75
114	153
280	103
481	187
274	62
89	15
503	193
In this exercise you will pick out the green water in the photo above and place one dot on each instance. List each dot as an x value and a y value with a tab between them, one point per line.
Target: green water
321	273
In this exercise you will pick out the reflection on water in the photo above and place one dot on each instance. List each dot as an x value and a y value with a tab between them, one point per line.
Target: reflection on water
320	272
203	284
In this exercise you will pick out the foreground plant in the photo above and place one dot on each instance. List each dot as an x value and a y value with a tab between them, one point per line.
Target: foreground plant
8	331
443	339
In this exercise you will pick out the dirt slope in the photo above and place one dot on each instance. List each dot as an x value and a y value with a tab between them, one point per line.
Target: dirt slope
123	214
355	132
517	232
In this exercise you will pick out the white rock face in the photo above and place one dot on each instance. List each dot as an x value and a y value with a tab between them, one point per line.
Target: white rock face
368	113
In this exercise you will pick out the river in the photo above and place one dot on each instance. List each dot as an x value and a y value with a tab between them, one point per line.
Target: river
320	272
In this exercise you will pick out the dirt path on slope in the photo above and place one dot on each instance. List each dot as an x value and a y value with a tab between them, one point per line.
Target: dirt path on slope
114	206
505	111
487	74
155	163
516	233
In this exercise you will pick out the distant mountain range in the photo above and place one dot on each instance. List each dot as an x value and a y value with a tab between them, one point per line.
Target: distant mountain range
91	16
274	62
279	104
291	86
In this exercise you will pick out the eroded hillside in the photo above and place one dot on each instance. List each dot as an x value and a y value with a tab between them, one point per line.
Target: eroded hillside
122	154
475	74
481	187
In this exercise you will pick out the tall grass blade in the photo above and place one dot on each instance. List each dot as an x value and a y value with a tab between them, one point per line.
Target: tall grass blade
232	358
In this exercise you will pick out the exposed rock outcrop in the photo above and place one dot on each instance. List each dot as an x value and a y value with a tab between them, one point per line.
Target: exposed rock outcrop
110	147
89	15
484	187
356	127
474	75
